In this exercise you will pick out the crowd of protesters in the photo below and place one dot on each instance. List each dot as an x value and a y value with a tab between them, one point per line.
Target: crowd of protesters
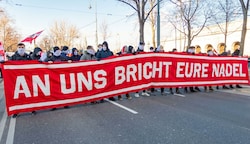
58	54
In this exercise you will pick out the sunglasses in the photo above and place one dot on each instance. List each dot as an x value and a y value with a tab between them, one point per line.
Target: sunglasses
20	47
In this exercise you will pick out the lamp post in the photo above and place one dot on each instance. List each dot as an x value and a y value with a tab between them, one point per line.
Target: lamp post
158	23
96	24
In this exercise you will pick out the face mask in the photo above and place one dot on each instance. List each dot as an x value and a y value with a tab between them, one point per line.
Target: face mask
38	53
104	48
91	51
210	53
190	51
133	51
66	52
141	47
57	53
100	48
75	53
20	51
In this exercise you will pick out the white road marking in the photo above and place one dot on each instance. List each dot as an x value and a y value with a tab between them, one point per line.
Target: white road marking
11	132
2	124
180	95
175	94
121	106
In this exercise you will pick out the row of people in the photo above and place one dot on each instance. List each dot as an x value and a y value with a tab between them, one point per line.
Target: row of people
59	55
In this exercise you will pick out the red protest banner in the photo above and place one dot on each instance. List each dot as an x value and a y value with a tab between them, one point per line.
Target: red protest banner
32	86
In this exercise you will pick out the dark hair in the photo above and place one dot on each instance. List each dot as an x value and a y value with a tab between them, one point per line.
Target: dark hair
56	48
89	47
191	47
74	49
174	49
106	44
64	48
20	44
142	43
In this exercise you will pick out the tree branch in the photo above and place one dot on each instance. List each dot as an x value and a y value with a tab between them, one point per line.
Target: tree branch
127	3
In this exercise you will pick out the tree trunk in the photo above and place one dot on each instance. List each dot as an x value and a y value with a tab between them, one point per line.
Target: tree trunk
244	7
141	31
189	35
226	31
153	35
243	35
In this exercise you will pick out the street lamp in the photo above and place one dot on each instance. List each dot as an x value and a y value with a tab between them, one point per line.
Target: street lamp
96	26
158	23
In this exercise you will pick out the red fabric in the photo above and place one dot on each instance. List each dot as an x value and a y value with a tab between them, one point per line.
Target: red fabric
80	82
32	37
1	49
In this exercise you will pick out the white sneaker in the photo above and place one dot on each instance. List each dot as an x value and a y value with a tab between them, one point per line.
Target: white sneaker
145	94
137	95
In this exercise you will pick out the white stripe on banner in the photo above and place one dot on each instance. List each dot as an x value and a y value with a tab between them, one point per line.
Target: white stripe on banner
158	84
116	59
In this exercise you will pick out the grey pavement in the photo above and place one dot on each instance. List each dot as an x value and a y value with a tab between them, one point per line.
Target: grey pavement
219	117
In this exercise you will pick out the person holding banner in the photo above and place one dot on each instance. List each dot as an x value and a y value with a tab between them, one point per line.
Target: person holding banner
102	54
36	55
57	57
89	54
236	53
228	53
158	49
125	50
21	55
209	88
139	50
2	58
191	50
75	56
174	50
65	52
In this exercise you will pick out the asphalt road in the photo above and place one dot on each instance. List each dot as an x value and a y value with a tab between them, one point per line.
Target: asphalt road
220	117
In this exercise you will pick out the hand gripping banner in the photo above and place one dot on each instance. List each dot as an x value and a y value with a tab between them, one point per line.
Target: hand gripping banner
30	85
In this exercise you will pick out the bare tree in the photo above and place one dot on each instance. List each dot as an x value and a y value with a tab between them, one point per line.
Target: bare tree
63	34
104	30
152	20
45	43
227	10
192	16
245	7
140	7
8	34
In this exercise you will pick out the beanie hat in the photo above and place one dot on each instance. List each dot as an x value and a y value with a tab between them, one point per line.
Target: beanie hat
36	50
142	43
56	48
64	48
